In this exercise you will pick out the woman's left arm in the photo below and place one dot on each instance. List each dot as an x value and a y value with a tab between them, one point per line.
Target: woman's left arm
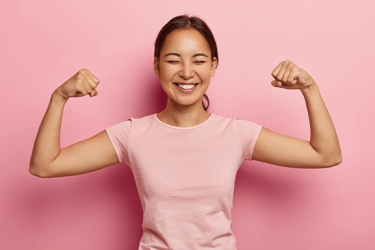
323	150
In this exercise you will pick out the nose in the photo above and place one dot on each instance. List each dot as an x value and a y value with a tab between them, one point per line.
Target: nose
187	71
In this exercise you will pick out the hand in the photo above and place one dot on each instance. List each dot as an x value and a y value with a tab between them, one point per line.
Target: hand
81	84
288	76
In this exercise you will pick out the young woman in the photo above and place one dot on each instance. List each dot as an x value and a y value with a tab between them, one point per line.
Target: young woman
185	159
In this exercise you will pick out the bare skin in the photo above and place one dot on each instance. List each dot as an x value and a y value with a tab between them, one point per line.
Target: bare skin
323	149
48	159
185	110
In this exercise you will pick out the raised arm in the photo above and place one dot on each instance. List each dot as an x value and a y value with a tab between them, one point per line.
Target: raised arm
48	159
323	149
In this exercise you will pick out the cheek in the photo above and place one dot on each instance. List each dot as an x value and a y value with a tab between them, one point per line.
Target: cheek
205	74
168	71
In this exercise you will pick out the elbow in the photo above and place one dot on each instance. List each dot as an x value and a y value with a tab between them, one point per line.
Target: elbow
333	161
37	172
338	161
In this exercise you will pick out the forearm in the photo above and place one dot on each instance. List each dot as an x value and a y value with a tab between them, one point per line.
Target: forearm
47	142
323	136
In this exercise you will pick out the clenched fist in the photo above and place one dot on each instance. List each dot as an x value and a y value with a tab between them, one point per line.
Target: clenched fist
288	76
81	84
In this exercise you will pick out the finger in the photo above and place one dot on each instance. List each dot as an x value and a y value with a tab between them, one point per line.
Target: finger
276	70
93	93
293	75
285	86
89	78
286	75
79	84
281	71
96	80
91	81
87	85
81	90
276	83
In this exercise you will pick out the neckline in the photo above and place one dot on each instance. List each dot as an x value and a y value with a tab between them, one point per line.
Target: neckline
183	128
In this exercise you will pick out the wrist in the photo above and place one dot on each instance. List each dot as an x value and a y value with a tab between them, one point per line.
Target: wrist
311	89
56	97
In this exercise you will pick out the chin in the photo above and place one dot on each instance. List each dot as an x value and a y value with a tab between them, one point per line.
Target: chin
188	101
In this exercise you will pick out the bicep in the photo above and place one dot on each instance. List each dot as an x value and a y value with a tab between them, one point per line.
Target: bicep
282	150
85	156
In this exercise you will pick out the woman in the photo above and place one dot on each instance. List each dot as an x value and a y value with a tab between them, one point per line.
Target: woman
185	159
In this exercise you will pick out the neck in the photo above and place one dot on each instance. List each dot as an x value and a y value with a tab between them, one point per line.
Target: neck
179	115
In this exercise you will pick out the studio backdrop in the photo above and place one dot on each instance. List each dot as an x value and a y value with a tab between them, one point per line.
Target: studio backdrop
44	43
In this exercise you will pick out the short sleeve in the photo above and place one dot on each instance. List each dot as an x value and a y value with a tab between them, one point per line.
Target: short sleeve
119	136
247	133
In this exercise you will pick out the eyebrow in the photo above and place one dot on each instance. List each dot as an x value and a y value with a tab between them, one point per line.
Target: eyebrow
176	54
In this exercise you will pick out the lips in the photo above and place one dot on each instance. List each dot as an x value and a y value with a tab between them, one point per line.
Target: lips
183	83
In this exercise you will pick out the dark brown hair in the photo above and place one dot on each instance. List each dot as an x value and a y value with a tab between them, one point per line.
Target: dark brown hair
186	22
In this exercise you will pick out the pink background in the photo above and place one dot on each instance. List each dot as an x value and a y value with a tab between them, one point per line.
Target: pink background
44	43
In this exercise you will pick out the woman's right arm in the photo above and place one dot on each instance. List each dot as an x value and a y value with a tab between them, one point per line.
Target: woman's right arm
48	159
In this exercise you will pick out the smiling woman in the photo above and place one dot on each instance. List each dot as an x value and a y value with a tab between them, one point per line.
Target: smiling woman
185	65
185	42
185	159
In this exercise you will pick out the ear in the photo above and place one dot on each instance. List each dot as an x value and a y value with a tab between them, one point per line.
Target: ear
213	66
156	67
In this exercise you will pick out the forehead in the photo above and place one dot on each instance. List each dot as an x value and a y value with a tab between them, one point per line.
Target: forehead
188	40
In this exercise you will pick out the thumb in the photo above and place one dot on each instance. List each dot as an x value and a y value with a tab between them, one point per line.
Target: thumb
93	93
276	83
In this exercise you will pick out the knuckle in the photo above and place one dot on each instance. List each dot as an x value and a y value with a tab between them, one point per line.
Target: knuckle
83	72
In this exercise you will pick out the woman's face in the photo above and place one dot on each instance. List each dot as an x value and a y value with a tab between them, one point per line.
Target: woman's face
186	59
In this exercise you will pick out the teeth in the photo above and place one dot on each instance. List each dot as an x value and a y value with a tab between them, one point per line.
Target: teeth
186	86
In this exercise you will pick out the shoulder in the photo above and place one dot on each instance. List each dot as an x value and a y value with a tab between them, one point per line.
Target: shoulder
240	123
128	123
246	128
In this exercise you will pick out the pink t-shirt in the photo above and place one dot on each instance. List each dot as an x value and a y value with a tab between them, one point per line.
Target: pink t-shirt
185	178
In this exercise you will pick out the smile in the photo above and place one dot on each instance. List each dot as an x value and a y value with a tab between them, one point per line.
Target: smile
186	88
